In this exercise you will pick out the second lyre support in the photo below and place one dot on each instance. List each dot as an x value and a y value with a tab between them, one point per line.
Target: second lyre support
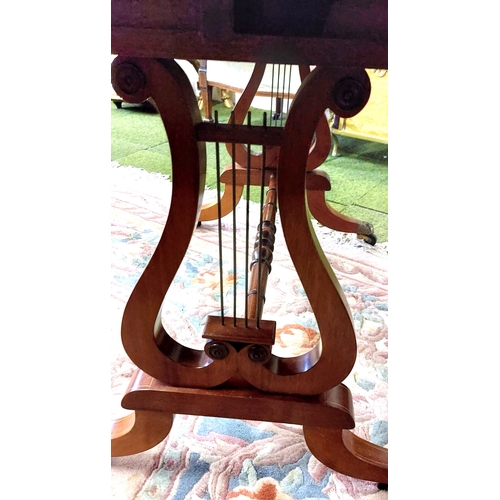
279	83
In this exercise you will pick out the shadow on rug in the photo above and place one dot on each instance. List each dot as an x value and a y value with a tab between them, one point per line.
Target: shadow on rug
224	459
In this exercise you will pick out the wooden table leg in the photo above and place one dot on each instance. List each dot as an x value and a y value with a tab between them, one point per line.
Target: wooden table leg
326	420
344	452
139	431
326	215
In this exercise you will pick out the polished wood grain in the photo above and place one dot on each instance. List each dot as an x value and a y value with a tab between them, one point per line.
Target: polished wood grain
332	360
144	337
333	407
262	255
239	134
145	340
326	420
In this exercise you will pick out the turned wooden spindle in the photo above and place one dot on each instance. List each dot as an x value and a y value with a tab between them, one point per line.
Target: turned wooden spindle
262	255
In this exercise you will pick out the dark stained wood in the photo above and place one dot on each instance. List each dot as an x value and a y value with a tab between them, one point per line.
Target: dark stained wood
156	43
146	342
317	180
354	35
240	173
321	143
338	343
239	134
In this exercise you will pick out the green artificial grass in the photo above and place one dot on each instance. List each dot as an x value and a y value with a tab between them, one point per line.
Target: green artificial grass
358	174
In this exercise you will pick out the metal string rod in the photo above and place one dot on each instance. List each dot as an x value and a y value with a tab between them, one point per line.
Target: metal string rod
282	88
219	219
233	167
272	96
278	96
286	89
262	183
247	239
289	90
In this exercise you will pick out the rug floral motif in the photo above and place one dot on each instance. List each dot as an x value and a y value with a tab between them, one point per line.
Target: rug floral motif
225	459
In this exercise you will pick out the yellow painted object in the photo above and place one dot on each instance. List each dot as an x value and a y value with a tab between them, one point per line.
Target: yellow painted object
371	123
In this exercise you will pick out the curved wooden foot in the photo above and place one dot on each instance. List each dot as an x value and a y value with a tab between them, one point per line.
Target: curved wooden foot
139	431
344	452
210	211
326	215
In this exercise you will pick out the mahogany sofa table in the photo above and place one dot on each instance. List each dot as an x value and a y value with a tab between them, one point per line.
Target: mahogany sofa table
237	375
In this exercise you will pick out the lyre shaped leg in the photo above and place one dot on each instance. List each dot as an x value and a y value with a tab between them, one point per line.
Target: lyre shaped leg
330	362
299	385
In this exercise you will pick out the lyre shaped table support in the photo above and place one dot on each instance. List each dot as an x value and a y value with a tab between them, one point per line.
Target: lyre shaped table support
172	378
321	146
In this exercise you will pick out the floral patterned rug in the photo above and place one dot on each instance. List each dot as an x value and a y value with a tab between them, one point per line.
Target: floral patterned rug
224	459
